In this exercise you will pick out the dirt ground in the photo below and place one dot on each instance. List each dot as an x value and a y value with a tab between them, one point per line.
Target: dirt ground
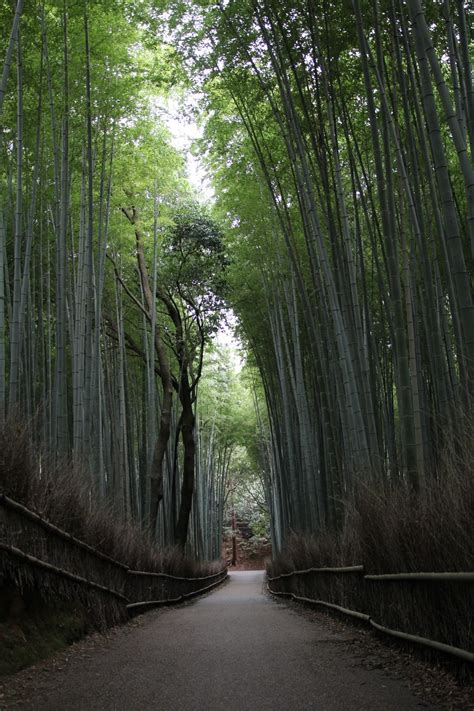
249	557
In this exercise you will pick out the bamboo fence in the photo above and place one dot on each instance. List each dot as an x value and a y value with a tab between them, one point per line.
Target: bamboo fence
419	607
37	555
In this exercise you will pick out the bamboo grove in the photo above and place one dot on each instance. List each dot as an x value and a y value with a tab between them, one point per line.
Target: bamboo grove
110	271
341	137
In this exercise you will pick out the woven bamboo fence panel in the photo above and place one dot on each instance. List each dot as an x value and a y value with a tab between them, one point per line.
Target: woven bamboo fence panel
36	555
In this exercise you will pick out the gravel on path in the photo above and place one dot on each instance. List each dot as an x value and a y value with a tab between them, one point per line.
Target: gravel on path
233	650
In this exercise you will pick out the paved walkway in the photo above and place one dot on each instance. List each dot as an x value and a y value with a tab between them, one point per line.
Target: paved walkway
233	650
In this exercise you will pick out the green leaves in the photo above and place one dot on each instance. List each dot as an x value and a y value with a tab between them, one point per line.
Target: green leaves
193	266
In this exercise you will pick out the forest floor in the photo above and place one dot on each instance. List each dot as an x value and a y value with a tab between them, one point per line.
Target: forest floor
251	553
234	649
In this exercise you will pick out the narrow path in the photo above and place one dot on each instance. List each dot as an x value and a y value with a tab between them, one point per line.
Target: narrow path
234	650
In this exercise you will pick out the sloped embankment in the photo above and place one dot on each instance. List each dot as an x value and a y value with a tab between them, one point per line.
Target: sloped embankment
68	565
54	588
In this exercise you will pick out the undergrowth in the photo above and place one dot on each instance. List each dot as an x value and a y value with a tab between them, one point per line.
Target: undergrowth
389	529
31	630
58	491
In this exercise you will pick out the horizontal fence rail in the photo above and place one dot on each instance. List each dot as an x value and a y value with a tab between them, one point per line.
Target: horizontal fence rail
346	569
424	577
433	644
137	606
333	606
29	542
435	577
26	558
176	577
44	523
427	577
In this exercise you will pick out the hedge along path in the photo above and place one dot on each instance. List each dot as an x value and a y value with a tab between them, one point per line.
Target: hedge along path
44	573
37	555
460	577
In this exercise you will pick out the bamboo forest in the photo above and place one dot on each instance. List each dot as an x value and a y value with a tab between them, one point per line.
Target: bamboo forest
236	281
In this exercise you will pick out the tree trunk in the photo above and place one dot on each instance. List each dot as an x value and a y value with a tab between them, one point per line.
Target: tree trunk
187	488
156	474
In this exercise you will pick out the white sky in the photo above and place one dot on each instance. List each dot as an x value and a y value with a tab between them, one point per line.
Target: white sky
225	338
184	130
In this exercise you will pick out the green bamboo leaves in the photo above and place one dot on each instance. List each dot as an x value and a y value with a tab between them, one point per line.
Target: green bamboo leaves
353	190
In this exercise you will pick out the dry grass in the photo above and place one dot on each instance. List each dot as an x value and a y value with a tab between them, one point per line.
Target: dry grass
59	492
398	532
390	530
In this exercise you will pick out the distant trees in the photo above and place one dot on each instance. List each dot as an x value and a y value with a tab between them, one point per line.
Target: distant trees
194	300
231	456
